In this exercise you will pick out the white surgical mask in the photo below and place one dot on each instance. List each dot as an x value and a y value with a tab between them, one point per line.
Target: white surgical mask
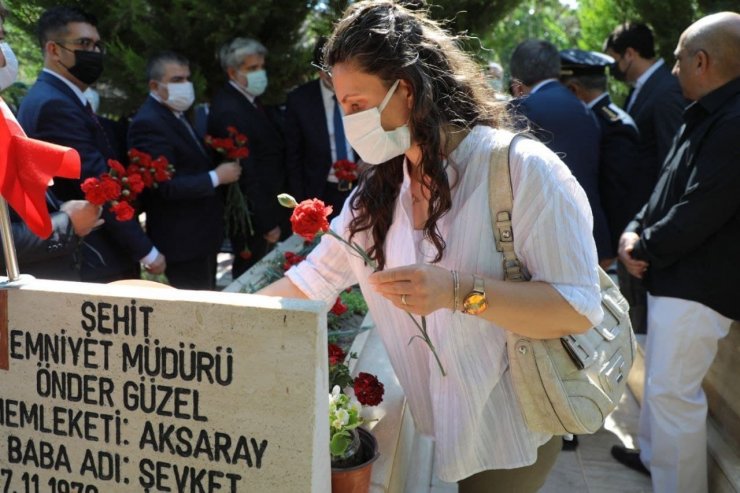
181	95
256	82
367	136
8	73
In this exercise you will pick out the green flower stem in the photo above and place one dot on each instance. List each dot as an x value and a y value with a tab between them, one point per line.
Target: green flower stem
423	334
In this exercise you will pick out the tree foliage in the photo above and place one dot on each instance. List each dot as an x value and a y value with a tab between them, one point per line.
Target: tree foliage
544	19
135	29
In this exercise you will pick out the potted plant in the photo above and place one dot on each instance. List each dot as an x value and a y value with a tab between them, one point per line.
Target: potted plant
353	449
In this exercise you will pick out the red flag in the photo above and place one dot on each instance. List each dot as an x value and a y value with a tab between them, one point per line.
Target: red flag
26	167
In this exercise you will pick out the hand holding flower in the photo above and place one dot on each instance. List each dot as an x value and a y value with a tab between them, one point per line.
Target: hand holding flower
427	287
309	219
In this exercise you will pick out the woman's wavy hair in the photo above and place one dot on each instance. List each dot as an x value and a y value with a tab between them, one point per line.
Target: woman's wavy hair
450	94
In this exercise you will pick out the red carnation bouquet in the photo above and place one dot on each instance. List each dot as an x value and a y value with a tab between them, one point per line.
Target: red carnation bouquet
310	219
344	410
346	172
122	184
237	220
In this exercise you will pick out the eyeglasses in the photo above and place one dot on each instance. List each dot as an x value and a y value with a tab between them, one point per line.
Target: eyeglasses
86	44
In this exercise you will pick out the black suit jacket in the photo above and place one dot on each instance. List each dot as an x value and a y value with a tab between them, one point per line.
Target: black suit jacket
52	112
657	112
619	165
50	258
263	170
563	123
690	228
308	157
184	216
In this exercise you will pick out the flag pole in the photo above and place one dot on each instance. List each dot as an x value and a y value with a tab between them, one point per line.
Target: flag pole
6	232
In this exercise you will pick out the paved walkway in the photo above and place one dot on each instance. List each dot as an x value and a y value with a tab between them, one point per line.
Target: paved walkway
591	468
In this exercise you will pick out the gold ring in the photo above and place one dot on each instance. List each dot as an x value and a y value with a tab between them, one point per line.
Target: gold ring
403	299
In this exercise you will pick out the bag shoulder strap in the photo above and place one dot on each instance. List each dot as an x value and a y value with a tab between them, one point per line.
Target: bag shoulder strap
501	202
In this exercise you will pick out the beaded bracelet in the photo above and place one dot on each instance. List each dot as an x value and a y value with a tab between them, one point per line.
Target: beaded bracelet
455	290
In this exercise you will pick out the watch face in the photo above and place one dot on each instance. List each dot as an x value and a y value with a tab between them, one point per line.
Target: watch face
475	303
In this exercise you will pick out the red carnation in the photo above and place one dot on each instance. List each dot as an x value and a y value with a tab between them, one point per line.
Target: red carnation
336	355
368	389
245	254
292	259
141	158
123	211
110	187
135	183
93	193
116	167
339	308
310	218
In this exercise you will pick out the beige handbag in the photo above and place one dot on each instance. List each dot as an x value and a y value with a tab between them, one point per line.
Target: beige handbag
569	384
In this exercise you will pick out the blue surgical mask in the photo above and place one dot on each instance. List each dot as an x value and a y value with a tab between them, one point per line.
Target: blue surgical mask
256	82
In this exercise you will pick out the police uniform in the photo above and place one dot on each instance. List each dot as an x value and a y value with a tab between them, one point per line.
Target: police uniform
619	169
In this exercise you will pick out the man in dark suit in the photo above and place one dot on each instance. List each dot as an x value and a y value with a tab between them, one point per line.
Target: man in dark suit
314	140
684	244
656	104
184	214
584	73
238	105
563	123
54	257
55	110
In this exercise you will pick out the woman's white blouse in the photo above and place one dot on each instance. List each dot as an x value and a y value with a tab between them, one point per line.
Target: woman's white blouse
472	412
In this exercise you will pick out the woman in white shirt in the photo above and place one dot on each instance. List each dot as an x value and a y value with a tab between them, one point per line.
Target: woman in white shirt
409	94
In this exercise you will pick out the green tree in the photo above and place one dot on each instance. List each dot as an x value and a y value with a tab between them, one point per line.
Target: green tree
668	20
546	19
136	29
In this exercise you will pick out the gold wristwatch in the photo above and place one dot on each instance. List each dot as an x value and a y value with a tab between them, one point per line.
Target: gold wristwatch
475	302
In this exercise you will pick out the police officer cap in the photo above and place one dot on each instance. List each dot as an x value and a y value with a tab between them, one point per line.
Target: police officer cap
579	62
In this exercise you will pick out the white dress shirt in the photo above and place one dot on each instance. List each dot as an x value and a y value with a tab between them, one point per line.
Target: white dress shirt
327	95
472	413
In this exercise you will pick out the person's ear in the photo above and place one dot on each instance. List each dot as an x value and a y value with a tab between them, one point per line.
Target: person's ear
701	61
51	49
408	93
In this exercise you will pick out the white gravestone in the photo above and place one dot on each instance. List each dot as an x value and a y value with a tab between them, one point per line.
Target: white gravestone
129	389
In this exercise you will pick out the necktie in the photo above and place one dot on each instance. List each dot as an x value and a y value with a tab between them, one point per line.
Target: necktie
185	122
340	140
628	103
111	152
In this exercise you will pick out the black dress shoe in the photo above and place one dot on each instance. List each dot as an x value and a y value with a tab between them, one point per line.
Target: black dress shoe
570	444
630	458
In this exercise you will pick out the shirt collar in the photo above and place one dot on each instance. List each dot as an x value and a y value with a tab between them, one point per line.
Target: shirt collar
69	84
326	93
158	99
239	88
539	85
714	100
596	100
646	74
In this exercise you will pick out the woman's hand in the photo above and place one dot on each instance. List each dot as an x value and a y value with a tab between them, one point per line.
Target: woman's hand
420	289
